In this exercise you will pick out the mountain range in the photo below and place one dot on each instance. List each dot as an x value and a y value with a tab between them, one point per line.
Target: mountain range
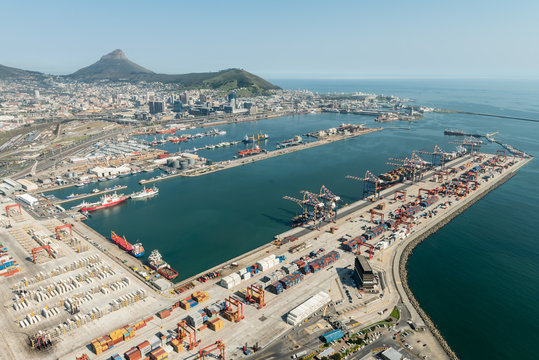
116	67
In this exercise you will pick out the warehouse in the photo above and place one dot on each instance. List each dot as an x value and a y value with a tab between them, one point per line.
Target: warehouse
27	185
309	307
28	199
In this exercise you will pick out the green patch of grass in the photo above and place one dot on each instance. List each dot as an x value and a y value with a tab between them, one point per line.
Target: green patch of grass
395	313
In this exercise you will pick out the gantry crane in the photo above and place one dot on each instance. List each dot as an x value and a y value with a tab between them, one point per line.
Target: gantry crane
310	205
438	156
471	144
185	330
402	192
36	249
218	345
255	294
374	212
58	228
371	184
429	192
13	206
369	246
500	156
235	315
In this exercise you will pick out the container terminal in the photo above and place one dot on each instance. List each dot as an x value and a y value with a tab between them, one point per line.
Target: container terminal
73	294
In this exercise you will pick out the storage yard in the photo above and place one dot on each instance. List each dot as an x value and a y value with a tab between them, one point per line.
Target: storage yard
73	293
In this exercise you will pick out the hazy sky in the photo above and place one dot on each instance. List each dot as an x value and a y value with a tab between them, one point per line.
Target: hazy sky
375	38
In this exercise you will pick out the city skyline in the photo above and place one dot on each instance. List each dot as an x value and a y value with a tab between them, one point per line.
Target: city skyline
280	40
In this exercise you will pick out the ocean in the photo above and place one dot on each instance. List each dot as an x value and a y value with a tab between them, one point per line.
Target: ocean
477	278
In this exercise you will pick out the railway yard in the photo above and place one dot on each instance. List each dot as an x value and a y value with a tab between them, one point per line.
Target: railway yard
74	294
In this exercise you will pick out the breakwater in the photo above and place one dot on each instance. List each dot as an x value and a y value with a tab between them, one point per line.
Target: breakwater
408	250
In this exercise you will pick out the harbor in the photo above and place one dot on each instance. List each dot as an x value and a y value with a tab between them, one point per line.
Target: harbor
439	193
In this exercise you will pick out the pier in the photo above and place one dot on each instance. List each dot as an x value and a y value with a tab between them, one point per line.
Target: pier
84	196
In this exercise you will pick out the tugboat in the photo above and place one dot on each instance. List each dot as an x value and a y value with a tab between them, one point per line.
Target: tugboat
157	263
138	250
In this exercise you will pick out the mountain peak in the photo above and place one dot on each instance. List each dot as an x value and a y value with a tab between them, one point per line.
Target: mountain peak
116	55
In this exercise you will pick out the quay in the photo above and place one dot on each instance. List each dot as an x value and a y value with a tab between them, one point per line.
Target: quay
84	196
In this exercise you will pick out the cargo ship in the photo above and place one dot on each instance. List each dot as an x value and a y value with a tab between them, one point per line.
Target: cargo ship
177	140
296	140
145	193
121	241
454	132
157	263
259	137
166	131
249	152
106	201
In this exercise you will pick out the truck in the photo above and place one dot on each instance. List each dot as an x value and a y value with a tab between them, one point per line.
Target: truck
299	355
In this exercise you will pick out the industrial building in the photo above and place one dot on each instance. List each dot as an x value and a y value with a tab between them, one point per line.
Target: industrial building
364	273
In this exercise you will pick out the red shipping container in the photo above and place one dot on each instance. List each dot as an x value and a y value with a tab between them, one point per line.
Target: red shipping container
164	314
133	354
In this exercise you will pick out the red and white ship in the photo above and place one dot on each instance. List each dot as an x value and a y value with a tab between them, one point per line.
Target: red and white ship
106	201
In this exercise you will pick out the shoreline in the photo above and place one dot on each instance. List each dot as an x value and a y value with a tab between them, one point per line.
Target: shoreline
408	250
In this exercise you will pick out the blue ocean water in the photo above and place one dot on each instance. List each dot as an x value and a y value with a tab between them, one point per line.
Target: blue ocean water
477	277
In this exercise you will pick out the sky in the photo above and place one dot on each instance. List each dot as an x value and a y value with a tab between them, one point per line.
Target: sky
279	39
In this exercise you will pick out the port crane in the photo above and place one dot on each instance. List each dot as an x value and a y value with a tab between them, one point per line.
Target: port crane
184	330
374	212
255	294
37	249
412	166
471	144
371	184
403	194
12	206
310	206
218	345
235	315
369	246
500	156
438	156
65	226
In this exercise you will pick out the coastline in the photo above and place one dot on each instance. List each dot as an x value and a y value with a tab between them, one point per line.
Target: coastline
403	258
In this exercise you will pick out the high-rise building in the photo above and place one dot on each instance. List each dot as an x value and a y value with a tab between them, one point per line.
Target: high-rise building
36	94
178	106
183	98
364	273
156	107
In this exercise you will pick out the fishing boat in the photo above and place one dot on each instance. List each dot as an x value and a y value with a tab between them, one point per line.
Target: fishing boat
106	201
145	193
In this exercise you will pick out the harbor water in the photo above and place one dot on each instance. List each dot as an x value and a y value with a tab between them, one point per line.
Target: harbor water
476	278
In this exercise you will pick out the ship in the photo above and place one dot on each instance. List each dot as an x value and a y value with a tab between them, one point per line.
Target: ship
296	140
121	241
138	250
145	193
157	263
454	132
259	137
70	196
166	131
249	152
177	140
106	201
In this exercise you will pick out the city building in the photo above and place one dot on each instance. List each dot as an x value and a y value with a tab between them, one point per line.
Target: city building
391	354
363	272
156	107
178	106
